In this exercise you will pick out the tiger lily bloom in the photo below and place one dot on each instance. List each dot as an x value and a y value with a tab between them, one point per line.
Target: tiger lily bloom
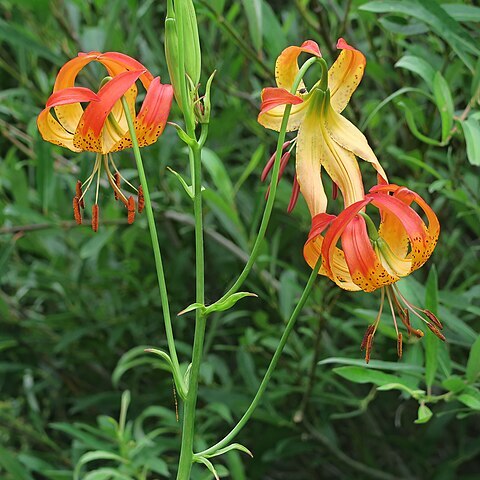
372	258
325	138
102	126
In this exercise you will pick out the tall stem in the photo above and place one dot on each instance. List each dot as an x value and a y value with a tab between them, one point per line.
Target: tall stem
188	430
273	187
273	363
155	244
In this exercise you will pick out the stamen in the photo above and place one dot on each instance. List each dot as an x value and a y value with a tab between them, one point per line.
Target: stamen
141	200
95	213
392	310
399	345
121	176
433	318
294	196
369	331
79	193
436	331
117	183
76	210
89	180
113	182
131	210
369	346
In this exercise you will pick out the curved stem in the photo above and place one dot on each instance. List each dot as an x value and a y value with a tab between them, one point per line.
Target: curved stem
155	244
273	363
273	187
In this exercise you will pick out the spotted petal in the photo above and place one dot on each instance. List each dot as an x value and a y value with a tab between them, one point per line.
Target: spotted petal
88	135
286	67
273	105
345	74
152	118
53	131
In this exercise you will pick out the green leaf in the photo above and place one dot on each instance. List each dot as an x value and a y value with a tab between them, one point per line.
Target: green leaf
219	174
183	183
431	13
454	384
444	101
208	464
253	10
228	302
373	364
471	401
94	456
424	414
419	66
95	244
9	462
402	387
431	342
473	364
233	446
364	375
462	13
412	125
191	308
471	131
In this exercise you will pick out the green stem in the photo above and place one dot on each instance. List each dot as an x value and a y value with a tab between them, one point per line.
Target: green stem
188	429
155	244
273	363
273	187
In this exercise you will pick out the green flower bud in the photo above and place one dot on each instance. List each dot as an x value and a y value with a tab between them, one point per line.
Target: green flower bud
191	42
171	52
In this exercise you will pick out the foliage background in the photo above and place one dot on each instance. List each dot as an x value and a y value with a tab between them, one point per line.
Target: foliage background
72	303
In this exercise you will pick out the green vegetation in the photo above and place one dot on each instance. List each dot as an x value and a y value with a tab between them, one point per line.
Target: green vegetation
79	396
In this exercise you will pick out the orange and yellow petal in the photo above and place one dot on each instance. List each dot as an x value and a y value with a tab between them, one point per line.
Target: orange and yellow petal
273	108
348	136
88	135
345	74
411	222
117	63
286	67
152	118
50	129
365	267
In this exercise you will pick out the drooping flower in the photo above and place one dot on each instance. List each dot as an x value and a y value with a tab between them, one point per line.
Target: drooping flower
325	138
102	126
371	258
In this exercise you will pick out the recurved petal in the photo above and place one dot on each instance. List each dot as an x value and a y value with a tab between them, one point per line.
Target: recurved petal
50	129
88	135
273	108
152	118
411	222
348	136
286	67
365	268
117	63
345	74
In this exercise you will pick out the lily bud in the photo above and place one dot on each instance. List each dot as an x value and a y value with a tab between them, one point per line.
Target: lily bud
171	51
191	42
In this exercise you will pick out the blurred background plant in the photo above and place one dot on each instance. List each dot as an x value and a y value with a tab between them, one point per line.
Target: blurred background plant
79	396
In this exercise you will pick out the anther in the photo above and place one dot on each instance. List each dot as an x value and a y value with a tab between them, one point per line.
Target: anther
433	318
76	210
399	345
79	194
95	217
131	209
368	348
117	183
368	332
436	331
141	200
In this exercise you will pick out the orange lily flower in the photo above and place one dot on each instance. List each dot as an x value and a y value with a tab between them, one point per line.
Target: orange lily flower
370	259
102	127
325	138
